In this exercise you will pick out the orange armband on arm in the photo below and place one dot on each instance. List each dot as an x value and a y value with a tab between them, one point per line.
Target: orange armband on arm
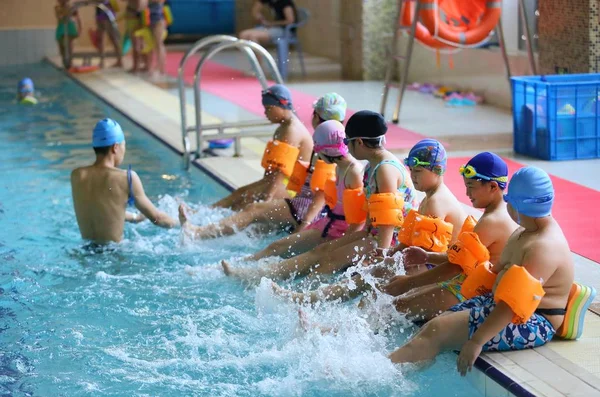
385	209
432	234
330	193
280	156
468	251
406	233
521	292
469	224
480	281
321	174
354	201
298	177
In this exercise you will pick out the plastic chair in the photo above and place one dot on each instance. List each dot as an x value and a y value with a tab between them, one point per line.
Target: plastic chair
291	38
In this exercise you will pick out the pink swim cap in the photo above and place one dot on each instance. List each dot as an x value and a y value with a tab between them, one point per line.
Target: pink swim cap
329	139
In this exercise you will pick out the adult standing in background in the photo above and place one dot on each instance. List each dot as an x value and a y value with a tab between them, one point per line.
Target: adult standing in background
268	31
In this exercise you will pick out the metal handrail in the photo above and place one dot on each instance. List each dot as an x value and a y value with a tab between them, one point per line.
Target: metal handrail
199	45
107	11
243	45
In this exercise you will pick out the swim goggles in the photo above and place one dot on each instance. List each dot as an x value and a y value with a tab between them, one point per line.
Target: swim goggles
381	139
470	172
412	162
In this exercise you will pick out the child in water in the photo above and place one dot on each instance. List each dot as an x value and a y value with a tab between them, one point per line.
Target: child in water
26	92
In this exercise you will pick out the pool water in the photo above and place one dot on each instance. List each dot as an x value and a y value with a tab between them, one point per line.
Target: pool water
155	316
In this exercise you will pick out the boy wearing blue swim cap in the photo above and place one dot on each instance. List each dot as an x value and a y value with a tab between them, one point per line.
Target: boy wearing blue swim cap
482	324
26	91
485	177
277	101
102	191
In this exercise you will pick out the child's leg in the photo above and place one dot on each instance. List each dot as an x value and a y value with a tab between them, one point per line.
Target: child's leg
320	259
294	244
241	195
426	303
342	290
447	332
158	30
114	38
61	48
100	33
275	213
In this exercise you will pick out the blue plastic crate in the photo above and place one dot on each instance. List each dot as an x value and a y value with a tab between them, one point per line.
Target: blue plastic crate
203	17
556	117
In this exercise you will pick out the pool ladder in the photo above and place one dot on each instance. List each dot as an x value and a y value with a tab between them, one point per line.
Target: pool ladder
87	56
214	45
403	59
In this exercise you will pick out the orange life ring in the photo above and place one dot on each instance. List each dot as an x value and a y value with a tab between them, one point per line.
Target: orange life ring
83	69
421	33
431	20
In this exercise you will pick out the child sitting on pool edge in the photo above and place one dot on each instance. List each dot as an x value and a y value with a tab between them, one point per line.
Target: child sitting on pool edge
527	305
292	214
25	92
291	142
102	191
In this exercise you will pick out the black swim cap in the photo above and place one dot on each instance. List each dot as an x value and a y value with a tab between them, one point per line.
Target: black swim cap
366	124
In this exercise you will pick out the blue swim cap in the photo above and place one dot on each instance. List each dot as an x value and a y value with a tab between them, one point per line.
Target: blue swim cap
430	151
106	133
277	95
530	192
492	166
26	86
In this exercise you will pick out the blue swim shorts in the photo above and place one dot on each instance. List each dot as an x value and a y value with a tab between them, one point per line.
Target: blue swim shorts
535	332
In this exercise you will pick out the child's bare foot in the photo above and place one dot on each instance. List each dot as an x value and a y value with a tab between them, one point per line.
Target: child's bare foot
303	320
182	215
306	325
226	268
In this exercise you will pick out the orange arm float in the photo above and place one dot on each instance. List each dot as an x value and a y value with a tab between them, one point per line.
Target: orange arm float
280	156
330	193
321	174
298	177
479	282
354	201
468	251
521	292
468	225
385	209
406	233
432	234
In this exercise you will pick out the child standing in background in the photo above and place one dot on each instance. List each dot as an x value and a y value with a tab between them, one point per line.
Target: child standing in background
69	24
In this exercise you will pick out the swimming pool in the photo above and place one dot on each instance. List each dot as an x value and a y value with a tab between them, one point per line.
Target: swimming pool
155	316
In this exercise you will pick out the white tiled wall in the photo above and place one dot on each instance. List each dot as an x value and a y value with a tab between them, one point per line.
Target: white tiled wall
19	46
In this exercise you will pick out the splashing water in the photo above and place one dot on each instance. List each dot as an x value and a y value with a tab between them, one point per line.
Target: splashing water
150	316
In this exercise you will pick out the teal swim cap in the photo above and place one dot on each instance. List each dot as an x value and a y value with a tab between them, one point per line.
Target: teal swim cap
530	192
106	133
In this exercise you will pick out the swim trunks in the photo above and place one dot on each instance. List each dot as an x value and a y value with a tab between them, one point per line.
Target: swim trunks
454	286
535	332
299	205
332	225
71	30
156	12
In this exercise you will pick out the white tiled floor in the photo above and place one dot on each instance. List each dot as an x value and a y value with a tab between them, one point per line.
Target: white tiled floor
543	374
